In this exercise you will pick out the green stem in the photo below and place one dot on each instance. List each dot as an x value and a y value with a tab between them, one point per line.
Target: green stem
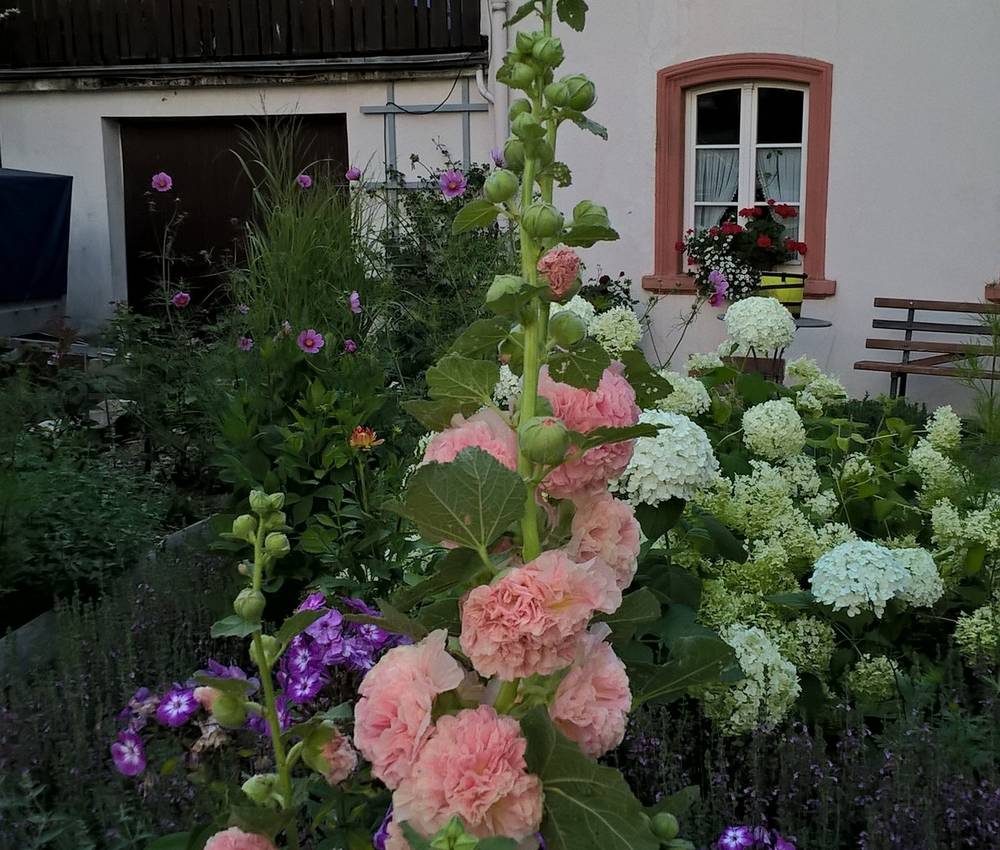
507	697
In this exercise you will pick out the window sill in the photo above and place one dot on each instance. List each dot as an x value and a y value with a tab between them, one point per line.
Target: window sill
683	284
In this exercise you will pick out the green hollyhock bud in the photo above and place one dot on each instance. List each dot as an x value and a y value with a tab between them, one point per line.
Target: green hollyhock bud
540	150
262	789
665	826
521	75
250	604
454	837
557	94
274	520
513	155
245	528
542	221
229	711
549	51
501	186
259	501
276	545
544	439
566	329
582	92
519	107
524	43
271	646
527	127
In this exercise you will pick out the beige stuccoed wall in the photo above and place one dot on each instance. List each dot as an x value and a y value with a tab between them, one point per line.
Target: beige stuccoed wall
76	133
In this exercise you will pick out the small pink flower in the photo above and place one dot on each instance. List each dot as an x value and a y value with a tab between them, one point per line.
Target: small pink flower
393	717
339	758
206	697
181	299
162	182
592	702
528	622
304	181
453	184
245	343
560	267
485	430
236	839
473	767
355	302
310	341
606	528
353	174
350	346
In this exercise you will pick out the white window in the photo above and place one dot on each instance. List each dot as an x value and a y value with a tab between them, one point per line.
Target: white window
745	146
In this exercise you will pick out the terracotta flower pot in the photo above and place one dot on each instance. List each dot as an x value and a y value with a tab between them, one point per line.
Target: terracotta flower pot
789	289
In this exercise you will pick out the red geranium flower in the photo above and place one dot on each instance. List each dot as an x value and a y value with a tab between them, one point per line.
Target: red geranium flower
763	241
679	246
713	231
801	247
751	212
731	228
786	211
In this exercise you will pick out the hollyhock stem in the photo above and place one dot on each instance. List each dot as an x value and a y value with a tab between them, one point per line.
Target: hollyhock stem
270	705
507	696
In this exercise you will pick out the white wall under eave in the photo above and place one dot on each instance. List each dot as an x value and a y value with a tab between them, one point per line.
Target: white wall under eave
914	195
76	133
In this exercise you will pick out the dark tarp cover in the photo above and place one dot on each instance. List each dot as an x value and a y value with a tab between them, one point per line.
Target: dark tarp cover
34	235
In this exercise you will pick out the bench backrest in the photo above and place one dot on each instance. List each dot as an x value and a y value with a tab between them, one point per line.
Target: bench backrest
913	306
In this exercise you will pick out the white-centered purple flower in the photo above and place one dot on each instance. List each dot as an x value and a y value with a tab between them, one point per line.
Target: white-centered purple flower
304	688
128	753
177	707
328	628
302	656
736	838
313	602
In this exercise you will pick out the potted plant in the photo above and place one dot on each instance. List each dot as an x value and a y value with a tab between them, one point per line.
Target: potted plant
747	256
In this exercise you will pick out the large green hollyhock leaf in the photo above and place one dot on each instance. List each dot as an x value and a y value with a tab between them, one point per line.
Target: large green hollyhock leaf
573	13
582	366
482	338
586	805
475	215
463	380
694	660
470	501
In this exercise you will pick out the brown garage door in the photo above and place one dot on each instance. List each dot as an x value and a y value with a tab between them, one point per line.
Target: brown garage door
211	193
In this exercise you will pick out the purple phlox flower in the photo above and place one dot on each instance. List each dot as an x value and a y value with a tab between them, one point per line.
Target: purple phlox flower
245	343
350	346
128	753
360	606
735	838
541	842
302	655
243	309
304	181
221	671
304	688
782	843
497	156
310	341
353	174
162	182
140	707
355	301
382	833
177	707
358	653
313	602
721	284
453	184
328	628
259	725
181	299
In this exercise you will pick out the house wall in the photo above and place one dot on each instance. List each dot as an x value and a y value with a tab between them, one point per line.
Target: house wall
914	185
914	189
76	133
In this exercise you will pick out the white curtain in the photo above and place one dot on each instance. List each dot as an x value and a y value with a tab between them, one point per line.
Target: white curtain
779	173
717	175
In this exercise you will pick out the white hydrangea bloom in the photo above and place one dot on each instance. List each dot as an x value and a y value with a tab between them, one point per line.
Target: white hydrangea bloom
873	678
833	534
689	396
822	506
826	390
983	525
760	324
677	463
767	691
508	388
756	499
808	643
580	307
944	429
938	472
859	576
793	531
800	473
978	634
617	330
924	586
807	404
803	370
822	389
774	429
703	362
946	523
856	468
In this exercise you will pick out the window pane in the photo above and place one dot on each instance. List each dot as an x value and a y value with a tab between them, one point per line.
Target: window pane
717	175
779	174
779	116
706	217
719	118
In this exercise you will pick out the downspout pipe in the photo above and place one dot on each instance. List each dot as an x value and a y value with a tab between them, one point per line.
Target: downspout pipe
499	45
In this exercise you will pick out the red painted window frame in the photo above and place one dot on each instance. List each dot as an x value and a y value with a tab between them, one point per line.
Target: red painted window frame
672	84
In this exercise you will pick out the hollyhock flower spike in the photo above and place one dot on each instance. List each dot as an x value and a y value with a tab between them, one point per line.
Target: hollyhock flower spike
162	182
181	299
310	341
453	184
129	754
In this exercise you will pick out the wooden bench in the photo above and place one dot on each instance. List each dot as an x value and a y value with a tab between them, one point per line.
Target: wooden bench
939	355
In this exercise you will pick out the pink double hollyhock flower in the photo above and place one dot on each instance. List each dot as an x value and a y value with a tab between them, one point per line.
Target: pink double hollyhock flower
606	528
485	430
560	267
473	766
529	621
592	703
339	758
236	839
392	719
611	405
